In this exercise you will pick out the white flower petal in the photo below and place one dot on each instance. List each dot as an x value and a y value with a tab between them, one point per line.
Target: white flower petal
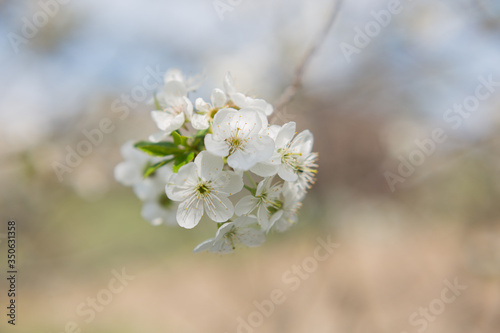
262	116
202	106
176	123
222	243
218	98
285	134
208	165
200	121
246	205
178	193
156	214
245	220
286	173
173	89
251	237
162	119
229	183
204	246
150	212
147	189
239	160
263	119
272	131
262	105
187	175
158	136
239	99
216	147
249	121
223	230
218	244
218	208
265	169
222	127
263	186
283	224
257	150
195	82
128	173
293	192
187	107
223	246
229	84
189	213
276	217
265	146
129	152
303	143
182	183
263	217
275	190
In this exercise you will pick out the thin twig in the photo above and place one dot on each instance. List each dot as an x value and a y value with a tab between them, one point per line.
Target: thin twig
290	92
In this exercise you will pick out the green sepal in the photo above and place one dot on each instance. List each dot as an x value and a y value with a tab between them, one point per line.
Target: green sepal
182	159
251	189
180	139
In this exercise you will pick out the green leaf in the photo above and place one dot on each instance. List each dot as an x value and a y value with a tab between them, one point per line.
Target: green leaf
179	139
182	159
159	148
157	104
150	169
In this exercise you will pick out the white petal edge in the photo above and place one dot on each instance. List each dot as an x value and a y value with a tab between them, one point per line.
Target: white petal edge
219	209
189	213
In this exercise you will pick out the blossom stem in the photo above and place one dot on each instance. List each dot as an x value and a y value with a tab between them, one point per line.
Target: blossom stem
250	189
249	177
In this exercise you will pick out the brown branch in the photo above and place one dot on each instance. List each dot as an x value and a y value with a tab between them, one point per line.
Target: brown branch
290	92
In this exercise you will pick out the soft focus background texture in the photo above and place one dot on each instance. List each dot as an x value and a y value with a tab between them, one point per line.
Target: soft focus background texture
397	247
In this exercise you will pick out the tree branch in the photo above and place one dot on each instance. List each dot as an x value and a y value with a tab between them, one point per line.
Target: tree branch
290	92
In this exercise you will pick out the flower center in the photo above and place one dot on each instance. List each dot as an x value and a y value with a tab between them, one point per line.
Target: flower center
274	206
235	143
229	236
212	113
203	189
289	157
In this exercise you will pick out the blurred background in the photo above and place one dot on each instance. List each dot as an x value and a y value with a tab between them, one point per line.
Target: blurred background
401	237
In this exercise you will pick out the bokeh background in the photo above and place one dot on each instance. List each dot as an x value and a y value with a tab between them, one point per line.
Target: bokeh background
396	247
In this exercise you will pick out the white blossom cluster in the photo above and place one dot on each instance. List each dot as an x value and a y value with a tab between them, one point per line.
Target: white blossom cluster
206	159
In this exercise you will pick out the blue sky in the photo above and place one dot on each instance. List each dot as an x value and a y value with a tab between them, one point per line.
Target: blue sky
435	52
